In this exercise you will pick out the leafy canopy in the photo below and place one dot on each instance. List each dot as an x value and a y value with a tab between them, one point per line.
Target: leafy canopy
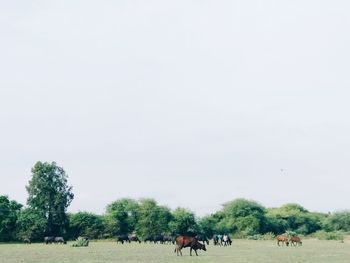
50	195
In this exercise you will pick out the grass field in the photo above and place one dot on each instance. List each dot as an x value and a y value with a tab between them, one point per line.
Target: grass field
240	252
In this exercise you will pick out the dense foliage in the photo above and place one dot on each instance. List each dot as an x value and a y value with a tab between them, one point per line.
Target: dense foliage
50	195
31	225
240	218
85	224
9	211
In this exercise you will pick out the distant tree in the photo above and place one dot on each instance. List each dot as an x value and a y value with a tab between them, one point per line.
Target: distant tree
293	217
275	224
338	221
50	195
85	224
294	208
221	223
9	211
183	222
121	217
243	216
208	225
153	219
31	225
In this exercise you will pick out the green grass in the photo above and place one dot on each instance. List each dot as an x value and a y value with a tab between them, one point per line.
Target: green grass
240	252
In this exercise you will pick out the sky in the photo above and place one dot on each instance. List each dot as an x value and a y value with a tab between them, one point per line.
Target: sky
193	103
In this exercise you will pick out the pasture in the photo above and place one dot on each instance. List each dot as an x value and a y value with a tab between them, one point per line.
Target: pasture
242	251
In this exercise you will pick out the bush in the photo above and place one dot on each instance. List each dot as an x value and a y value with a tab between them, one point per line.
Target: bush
267	236
81	242
334	235
339	221
85	224
290	234
255	237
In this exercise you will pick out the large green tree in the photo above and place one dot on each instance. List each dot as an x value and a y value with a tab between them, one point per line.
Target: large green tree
293	217
243	216
338	221
85	224
209	225
121	217
9	211
153	219
31	225
183	222
50	195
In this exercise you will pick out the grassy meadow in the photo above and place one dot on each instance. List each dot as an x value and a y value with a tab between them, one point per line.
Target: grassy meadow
241	251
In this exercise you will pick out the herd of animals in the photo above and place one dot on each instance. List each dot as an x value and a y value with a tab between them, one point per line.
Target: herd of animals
194	243
55	240
219	240
293	241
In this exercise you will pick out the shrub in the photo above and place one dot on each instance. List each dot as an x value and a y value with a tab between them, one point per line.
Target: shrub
334	235
267	236
290	234
81	242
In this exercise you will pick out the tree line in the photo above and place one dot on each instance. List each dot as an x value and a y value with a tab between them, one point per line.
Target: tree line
49	196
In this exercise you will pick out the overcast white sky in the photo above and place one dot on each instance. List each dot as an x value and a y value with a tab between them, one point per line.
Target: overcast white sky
193	103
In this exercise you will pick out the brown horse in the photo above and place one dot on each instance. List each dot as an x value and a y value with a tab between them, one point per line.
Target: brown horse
295	241
282	239
191	242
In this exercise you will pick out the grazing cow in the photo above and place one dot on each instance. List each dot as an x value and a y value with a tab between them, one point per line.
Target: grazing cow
158	238
60	240
218	240
168	240
295	241
282	239
227	240
202	238
49	240
148	239
191	242
134	238
122	238
215	240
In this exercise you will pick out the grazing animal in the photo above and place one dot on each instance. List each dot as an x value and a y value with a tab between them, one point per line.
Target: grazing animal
148	239
168	240
295	241
122	238
60	240
158	238
227	240
191	242
202	238
134	238
49	240
218	240
215	240
282	239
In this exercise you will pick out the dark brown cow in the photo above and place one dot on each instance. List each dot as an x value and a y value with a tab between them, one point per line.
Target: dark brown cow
134	238
191	242
282	239
295	241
